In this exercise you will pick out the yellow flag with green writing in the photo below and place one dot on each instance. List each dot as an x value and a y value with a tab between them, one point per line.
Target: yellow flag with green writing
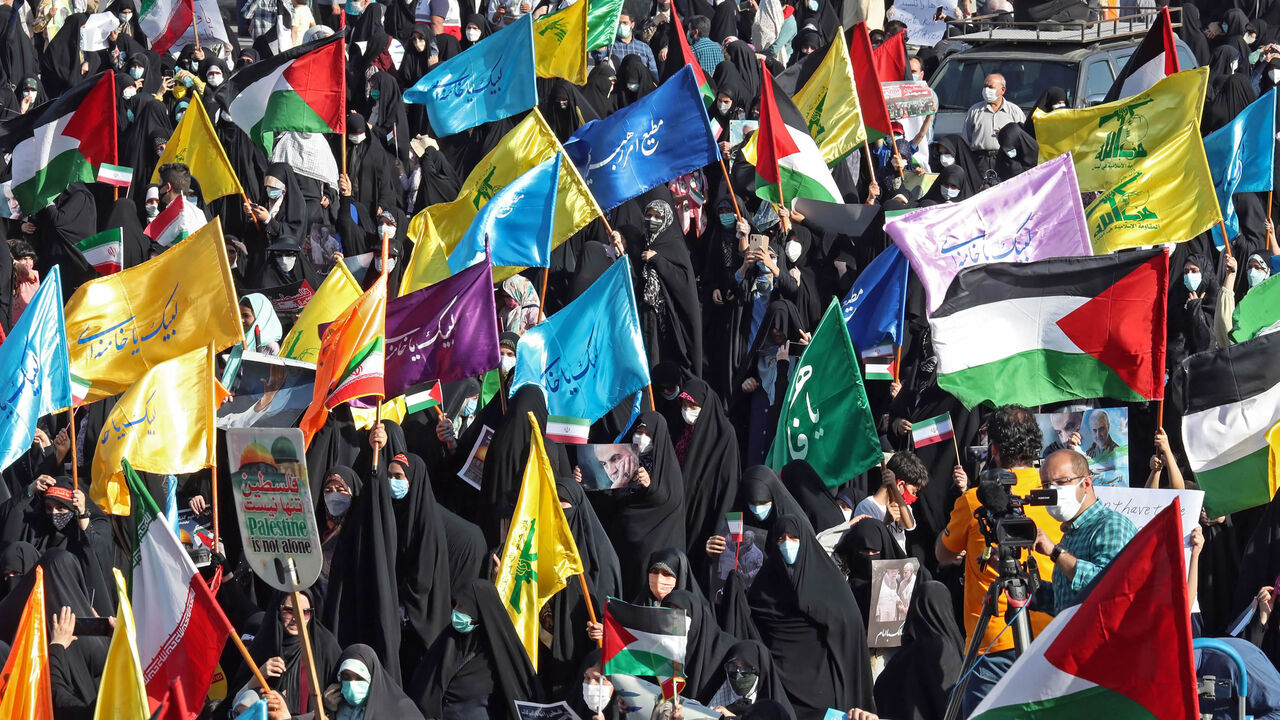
560	44
1167	197
1109	142
829	104
539	555
334	295
530	142
194	143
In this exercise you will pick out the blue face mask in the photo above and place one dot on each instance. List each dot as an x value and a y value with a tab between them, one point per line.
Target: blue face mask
727	219
462	622
136	72
761	511
355	692
468	407
1192	281
399	488
274	192
188	81
790	549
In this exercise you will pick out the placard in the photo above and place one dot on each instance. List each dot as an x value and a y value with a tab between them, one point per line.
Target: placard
472	471
917	15
892	582
1104	439
538	711
267	391
607	467
909	98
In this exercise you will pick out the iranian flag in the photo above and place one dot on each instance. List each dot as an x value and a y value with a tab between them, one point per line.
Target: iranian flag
79	390
1154	60
176	222
104	251
62	142
1124	652
571	430
789	164
185	630
647	641
302	89
1063	328
878	362
935	429
164	21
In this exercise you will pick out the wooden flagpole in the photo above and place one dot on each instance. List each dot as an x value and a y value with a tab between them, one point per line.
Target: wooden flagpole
591	611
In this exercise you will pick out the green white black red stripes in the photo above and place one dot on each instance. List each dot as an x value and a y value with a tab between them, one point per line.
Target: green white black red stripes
301	89
644	640
423	399
788	162
63	142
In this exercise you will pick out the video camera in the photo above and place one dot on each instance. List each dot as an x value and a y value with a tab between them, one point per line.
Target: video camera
1002	517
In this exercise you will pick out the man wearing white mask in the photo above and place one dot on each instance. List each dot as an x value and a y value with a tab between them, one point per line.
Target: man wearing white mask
983	123
1092	533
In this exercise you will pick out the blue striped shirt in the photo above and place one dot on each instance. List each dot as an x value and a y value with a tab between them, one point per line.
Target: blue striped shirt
1093	539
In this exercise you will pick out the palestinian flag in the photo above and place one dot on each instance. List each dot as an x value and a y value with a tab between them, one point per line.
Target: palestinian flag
879	363
890	59
571	430
165	21
935	429
644	640
104	251
1065	328
789	164
1258	312
176	222
1230	400
1124	652
302	89
1155	59
62	142
424	399
686	52
185	629
875	113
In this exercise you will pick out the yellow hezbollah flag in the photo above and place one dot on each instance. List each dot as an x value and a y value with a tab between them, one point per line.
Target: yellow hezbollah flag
193	142
122	325
1168	197
560	44
123	693
526	145
163	424
352	354
1273	462
429	262
393	409
1108	142
25	692
537	560
335	294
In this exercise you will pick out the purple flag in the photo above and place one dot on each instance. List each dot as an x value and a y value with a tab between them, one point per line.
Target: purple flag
1033	216
446	332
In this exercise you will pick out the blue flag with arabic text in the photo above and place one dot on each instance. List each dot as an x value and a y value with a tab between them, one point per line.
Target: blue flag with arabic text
588	357
515	224
34	364
491	80
1241	158
658	138
874	307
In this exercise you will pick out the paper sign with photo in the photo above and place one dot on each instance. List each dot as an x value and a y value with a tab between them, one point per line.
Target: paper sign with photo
473	469
892	582
607	467
1104	439
267	392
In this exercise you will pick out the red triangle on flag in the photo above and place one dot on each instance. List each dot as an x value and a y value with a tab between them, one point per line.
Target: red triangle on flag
312	76
94	123
616	637
875	114
775	140
890	59
1124	327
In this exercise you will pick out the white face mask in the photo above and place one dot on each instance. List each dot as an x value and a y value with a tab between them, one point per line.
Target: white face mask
690	415
473	34
387	232
1011	152
1068	505
286	262
507	363
723	107
30	95
214	79
947	160
917	76
950	193
152	211
595	697
391	264
642	441
1256	276
792	249
129	92
357	139
990	95
847	512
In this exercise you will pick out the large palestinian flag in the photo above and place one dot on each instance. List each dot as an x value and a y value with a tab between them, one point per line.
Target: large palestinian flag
1154	60
789	164
644	640
302	89
1230	400
1065	328
62	142
1124	652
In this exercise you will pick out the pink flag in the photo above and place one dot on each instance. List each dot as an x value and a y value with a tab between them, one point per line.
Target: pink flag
1033	216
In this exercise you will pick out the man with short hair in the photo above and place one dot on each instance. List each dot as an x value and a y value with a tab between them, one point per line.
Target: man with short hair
707	52
175	180
904	477
983	123
1092	533
625	45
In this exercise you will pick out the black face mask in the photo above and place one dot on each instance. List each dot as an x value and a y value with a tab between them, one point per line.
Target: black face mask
743	682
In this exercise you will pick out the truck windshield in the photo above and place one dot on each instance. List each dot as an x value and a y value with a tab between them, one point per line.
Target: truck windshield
959	82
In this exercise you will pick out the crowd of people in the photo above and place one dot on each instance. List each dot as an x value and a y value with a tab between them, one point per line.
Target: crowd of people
778	620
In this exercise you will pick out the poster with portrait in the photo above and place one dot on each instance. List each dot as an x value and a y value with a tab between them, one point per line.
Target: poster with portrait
607	467
892	582
267	392
1103	435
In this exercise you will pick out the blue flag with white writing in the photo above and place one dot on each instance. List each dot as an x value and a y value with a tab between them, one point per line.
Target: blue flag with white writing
588	357
658	138
874	307
1241	158
515	223
34	364
491	80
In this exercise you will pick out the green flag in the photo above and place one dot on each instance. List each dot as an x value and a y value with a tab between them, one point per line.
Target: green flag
825	418
1258	310
602	22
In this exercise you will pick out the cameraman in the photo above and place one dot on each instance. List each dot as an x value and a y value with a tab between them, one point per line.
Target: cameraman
1015	443
1093	534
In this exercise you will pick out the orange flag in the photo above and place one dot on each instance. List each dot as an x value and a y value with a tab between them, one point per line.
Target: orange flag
351	357
24	685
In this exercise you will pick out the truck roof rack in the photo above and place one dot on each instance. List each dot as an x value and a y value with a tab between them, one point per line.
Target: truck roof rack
981	29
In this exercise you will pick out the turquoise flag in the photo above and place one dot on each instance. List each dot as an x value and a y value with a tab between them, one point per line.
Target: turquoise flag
589	356
515	224
1241	158
33	360
493	79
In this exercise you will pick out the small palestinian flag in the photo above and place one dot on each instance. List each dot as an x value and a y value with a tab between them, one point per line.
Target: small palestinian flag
424	399
878	363
115	175
302	89
735	526
935	429
789	164
104	251
569	430
79	389
646	641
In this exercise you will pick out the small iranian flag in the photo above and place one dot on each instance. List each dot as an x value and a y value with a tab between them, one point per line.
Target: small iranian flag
647	641
104	251
935	429
423	399
735	526
879	362
115	175
176	222
79	389
570	430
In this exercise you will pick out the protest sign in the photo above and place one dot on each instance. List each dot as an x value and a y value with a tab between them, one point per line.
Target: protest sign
892	582
268	392
636	698
268	469
539	711
1141	505
472	471
918	16
909	98
1104	439
607	467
